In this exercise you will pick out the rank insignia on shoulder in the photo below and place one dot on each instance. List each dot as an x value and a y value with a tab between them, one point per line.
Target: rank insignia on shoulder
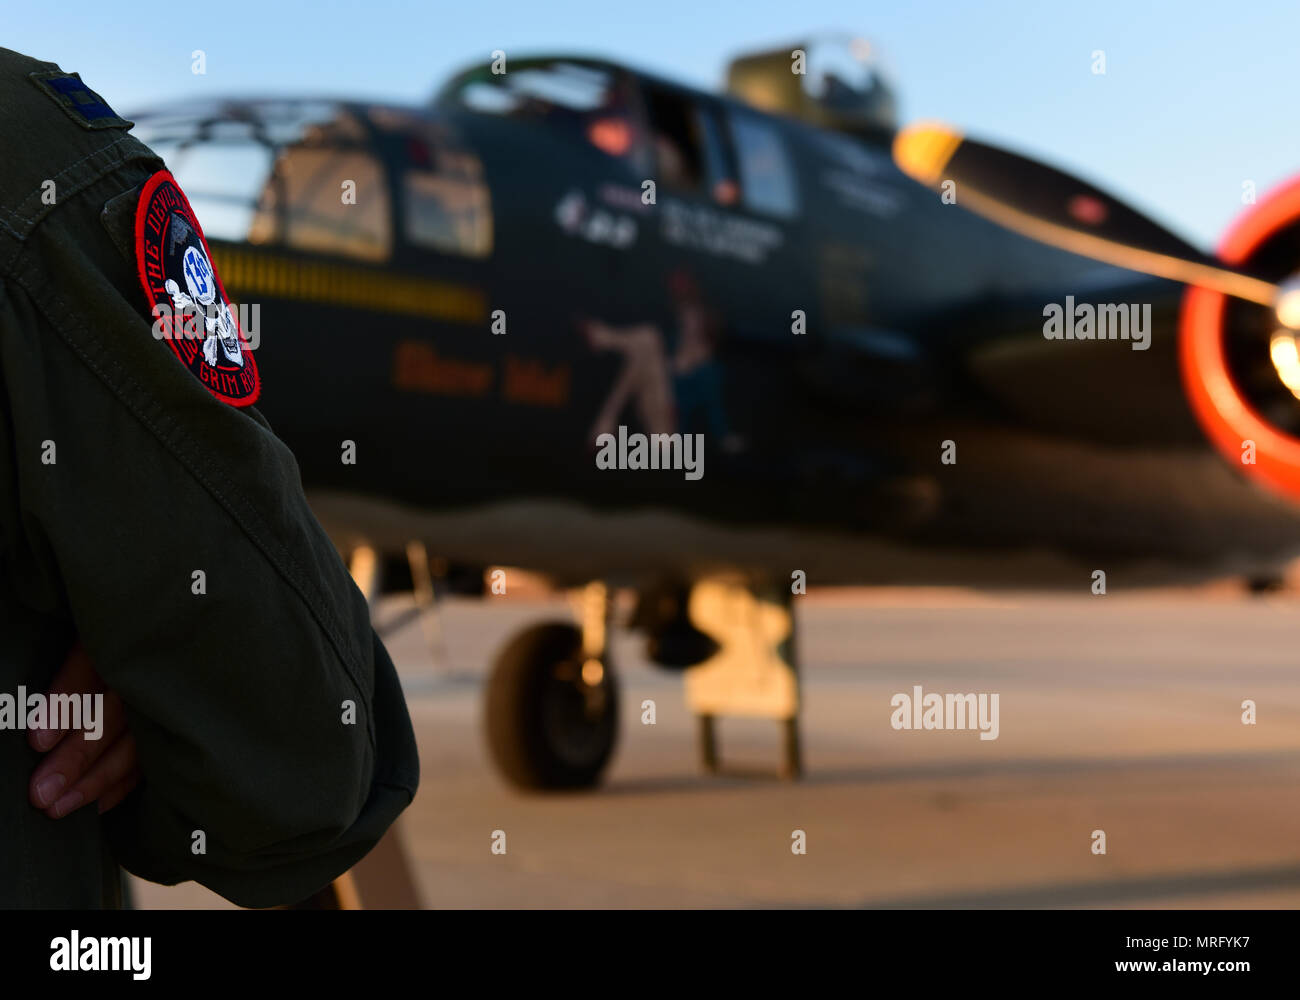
186	299
79	102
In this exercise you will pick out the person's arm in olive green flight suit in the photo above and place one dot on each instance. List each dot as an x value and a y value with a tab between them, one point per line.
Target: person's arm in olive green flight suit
272	736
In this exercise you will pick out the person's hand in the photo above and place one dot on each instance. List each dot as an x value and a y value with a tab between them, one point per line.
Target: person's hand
77	770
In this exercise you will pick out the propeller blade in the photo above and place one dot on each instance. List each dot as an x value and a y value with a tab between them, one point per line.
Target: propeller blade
1052	207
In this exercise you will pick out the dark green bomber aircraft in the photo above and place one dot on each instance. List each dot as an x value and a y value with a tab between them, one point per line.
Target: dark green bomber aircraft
578	319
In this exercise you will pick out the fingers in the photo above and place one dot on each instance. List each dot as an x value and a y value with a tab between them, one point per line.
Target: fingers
76	676
74	758
116	771
78	770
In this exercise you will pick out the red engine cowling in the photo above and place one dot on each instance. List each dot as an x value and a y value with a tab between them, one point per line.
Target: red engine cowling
1224	350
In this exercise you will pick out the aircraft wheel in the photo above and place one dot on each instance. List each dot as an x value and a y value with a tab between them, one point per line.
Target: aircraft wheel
552	718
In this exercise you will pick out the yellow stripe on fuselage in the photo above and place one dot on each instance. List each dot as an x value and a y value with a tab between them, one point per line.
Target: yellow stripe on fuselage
248	274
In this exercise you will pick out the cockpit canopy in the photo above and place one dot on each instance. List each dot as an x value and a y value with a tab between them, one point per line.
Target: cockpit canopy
579	98
691	143
325	177
835	82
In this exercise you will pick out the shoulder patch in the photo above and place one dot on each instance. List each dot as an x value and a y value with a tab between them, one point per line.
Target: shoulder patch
186	298
79	102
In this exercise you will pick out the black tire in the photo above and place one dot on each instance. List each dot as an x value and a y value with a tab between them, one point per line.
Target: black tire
545	728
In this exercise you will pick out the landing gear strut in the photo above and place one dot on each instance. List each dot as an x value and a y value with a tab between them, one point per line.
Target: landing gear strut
754	671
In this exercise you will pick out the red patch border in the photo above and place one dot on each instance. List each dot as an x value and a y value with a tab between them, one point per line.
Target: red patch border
146	196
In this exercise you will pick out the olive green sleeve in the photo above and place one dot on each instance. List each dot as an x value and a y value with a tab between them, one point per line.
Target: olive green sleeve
272	734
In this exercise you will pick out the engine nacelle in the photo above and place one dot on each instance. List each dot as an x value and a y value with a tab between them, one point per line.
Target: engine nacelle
1240	369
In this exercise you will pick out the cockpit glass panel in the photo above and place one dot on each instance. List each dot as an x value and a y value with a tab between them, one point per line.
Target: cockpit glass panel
767	181
278	172
552	86
447	208
848	80
326	200
446	205
587	103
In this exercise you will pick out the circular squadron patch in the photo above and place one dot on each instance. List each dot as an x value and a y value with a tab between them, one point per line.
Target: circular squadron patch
186	298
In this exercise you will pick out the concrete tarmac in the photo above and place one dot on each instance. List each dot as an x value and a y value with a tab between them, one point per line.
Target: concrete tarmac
1118	713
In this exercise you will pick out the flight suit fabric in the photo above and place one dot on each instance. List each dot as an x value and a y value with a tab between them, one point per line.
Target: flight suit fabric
121	480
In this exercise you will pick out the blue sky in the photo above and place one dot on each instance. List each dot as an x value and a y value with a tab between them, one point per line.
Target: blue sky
1197	97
